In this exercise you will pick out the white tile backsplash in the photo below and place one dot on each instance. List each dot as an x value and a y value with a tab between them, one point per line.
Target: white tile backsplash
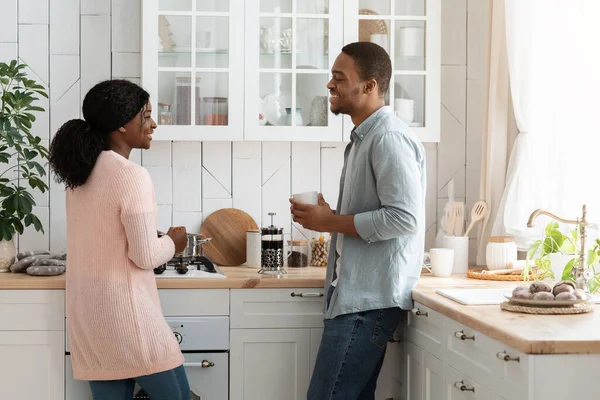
95	7
95	45
64	27
125	65
33	12
33	50
64	73
164	219
163	186
64	107
216	170
276	184
126	29
187	177
191	220
32	239
332	161
246	178
158	155
8	52
8	21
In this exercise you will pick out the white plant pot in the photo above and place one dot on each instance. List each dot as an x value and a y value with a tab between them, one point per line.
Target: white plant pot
558	262
8	252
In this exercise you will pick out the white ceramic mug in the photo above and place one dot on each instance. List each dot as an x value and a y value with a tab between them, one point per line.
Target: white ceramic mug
440	262
307	197
460	244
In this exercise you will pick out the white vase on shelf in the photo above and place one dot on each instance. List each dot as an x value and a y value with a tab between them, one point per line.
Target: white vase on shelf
8	252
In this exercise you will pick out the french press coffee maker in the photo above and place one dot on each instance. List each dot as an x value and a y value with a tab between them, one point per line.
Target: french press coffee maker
271	251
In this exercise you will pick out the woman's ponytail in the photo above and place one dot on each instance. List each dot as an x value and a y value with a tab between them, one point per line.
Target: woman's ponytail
74	151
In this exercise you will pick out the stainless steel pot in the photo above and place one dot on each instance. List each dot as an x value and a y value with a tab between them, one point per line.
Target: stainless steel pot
194	246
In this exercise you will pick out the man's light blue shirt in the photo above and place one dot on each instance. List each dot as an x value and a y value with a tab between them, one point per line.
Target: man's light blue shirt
380	268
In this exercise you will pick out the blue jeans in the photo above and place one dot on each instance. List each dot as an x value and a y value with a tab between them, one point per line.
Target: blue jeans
167	385
351	354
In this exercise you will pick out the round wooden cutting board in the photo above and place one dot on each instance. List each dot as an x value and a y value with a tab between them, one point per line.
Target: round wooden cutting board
227	227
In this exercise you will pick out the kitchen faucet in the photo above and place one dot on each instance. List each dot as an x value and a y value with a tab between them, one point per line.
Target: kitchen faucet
581	274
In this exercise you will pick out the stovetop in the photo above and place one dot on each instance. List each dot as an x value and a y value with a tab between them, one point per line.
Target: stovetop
189	267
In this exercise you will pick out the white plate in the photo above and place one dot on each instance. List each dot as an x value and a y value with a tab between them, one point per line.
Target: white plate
548	303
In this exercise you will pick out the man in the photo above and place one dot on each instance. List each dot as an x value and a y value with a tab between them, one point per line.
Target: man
378	229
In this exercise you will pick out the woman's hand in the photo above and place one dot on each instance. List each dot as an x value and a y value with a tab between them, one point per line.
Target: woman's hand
179	236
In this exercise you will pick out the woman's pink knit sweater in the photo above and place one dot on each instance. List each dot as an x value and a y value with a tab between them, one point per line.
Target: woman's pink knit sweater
115	322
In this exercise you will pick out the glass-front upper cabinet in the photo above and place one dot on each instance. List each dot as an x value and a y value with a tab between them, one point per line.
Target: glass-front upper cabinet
193	67
290	48
410	32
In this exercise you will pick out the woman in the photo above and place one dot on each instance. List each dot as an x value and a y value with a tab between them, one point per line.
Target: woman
117	332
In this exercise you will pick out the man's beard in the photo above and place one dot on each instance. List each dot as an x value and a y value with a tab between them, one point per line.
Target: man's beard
342	110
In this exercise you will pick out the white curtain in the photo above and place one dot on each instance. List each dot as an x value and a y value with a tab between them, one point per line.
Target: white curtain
497	140
554	66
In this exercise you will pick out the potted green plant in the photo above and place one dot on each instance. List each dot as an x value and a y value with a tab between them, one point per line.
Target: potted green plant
551	254
593	257
19	152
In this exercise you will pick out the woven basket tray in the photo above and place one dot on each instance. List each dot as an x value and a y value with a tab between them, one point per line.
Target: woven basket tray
575	309
477	274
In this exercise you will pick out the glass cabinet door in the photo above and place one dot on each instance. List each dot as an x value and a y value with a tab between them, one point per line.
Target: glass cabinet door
193	66
410	32
290	48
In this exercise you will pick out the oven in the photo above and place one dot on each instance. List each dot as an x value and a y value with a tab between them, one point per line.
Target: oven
204	342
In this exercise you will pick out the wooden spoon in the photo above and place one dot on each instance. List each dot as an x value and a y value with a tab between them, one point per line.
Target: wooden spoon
478	212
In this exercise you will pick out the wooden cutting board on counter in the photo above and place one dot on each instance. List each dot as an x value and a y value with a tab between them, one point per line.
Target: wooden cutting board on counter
227	227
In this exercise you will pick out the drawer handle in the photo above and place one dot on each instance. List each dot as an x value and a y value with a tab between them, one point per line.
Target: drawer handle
307	294
506	357
419	313
203	364
462	336
463	388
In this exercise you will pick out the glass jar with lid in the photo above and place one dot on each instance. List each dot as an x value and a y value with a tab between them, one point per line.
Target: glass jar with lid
297	254
319	250
165	115
501	252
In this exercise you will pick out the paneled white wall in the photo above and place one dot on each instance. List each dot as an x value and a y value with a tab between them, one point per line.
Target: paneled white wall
72	44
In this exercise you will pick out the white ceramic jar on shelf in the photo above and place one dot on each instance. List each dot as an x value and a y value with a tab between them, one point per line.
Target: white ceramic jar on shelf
501	252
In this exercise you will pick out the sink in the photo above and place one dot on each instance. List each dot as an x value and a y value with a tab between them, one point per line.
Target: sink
192	273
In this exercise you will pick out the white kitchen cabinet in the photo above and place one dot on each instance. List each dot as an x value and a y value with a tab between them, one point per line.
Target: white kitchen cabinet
275	338
413	360
269	364
458	386
193	68
32	365
390	384
433	381
258	70
410	31
32	334
315	342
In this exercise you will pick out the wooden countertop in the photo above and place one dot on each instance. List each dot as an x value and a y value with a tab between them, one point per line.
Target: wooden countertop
531	334
236	278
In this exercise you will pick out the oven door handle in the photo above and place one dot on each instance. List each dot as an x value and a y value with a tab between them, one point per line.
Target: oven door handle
203	364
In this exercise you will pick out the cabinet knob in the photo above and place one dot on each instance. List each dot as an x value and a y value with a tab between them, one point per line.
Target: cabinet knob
462	336
463	388
419	313
503	355
307	294
207	364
